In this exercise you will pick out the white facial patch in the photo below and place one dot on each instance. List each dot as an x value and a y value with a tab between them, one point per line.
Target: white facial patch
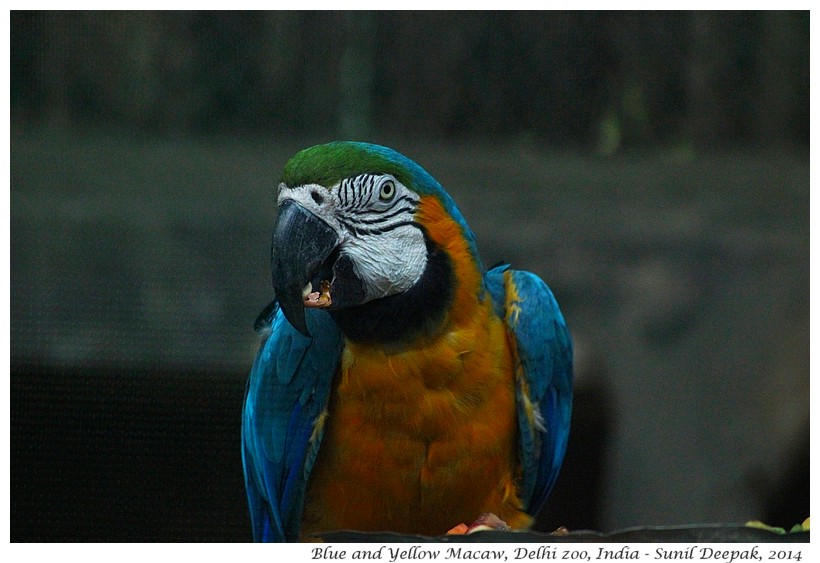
374	216
317	199
388	263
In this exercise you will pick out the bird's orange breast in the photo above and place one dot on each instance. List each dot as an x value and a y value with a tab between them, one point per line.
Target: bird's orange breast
423	438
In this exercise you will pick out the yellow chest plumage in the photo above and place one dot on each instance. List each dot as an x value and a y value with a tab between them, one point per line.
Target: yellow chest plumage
423	438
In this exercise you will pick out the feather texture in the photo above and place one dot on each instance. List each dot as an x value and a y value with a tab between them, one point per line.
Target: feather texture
414	411
287	394
542	351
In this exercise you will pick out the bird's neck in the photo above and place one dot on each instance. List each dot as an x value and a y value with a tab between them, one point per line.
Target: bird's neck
447	293
397	320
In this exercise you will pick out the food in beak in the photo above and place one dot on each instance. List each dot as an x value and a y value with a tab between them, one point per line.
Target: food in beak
318	299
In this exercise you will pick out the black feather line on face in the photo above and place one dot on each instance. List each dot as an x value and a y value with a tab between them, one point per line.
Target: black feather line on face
405	316
360	231
411	207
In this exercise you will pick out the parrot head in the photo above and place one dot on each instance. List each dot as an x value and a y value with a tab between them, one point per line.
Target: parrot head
361	233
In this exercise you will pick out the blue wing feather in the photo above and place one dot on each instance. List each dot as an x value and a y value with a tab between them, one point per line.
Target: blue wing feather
287	390
544	390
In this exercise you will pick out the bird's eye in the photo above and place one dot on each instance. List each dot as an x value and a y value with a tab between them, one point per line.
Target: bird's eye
388	190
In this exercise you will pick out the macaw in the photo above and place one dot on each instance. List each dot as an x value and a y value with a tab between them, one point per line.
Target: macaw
399	386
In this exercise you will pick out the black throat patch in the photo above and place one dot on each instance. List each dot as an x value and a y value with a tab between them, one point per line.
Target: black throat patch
405	316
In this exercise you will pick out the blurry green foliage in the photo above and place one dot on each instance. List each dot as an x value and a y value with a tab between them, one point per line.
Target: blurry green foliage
611	79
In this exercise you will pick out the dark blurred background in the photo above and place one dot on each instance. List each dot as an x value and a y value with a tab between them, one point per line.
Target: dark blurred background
653	168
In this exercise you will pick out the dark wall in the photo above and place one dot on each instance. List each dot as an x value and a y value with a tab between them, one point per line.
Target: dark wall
124	454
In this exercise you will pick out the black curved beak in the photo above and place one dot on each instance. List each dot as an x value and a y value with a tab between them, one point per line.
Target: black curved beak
302	242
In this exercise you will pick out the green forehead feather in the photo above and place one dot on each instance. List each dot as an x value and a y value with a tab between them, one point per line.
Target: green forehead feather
328	164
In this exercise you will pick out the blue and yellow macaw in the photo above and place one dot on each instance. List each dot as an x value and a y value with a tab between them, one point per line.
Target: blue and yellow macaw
399	386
